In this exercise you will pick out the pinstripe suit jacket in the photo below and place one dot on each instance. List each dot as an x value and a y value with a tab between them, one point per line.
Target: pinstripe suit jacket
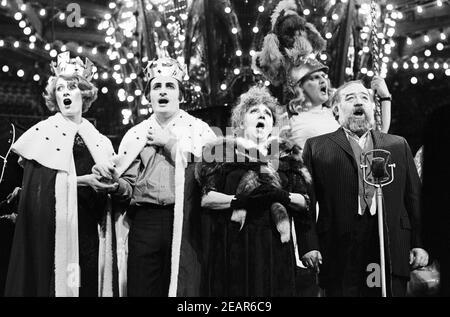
333	167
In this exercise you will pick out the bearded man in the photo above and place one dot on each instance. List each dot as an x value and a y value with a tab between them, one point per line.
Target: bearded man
346	232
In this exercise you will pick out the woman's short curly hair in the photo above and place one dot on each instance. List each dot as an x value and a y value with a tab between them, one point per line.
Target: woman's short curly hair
254	96
88	92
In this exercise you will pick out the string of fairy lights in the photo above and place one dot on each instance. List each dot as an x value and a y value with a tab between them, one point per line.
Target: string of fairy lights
167	31
122	46
332	16
243	69
35	40
118	25
432	42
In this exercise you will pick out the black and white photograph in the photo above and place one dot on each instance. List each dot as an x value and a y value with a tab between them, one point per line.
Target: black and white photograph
226	153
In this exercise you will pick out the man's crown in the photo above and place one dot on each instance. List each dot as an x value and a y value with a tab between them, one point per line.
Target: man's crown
167	67
68	66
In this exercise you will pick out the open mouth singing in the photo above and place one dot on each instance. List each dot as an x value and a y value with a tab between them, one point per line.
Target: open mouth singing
358	112
260	125
163	101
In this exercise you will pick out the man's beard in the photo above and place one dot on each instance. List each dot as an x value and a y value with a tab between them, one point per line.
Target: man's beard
359	126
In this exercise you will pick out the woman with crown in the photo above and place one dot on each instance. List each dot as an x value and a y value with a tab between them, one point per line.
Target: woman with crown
62	242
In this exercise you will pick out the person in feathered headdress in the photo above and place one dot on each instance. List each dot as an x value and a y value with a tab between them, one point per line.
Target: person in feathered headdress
63	238
155	178
288	59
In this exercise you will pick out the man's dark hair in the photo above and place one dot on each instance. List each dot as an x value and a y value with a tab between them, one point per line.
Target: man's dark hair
180	87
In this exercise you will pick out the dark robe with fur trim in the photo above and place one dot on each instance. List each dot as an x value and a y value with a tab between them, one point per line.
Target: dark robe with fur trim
32	268
251	261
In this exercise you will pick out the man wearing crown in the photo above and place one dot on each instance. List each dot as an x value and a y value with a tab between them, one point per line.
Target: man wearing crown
155	165
63	238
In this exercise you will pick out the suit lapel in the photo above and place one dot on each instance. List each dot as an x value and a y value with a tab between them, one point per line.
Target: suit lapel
340	139
378	139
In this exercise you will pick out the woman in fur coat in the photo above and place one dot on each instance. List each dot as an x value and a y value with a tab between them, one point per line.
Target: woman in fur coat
254	186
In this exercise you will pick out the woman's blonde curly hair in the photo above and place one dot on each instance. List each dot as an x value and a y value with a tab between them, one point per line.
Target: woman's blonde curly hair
88	91
256	95
299	102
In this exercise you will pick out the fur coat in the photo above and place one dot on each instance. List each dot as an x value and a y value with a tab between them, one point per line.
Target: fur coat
234	242
262	169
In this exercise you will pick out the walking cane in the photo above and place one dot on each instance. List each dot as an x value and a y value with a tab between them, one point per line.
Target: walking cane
380	178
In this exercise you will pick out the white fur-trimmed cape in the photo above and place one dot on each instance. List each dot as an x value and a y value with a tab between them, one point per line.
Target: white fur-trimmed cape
50	143
191	134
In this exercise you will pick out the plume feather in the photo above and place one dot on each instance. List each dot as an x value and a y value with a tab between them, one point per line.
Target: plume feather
270	60
288	6
318	43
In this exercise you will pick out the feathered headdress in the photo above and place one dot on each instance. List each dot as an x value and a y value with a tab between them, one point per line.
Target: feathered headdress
65	65
291	41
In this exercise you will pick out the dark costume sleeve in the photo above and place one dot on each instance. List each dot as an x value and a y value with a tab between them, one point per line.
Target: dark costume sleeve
127	181
412	198
88	199
307	238
34	236
208	176
91	213
435	217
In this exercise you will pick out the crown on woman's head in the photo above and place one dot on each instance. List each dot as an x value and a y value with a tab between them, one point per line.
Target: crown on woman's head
65	65
167	67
